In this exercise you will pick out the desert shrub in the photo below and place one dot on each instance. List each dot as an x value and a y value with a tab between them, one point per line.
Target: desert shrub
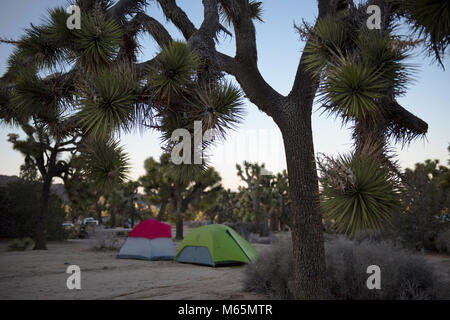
19	244
19	211
245	229
443	241
122	234
426	201
270	274
76	232
404	275
196	224
100	239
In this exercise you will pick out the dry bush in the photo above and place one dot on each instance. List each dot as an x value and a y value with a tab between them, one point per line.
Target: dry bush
404	275
101	239
443	242
196	224
21	244
271	273
246	230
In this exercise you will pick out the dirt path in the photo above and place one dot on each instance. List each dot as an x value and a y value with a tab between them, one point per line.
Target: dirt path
41	275
440	262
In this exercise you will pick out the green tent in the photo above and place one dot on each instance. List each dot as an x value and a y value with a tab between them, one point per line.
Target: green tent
214	245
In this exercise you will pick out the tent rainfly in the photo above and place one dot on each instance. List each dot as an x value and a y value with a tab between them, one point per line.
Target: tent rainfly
149	240
215	245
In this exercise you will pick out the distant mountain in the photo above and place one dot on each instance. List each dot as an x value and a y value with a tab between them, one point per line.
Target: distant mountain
4	180
57	188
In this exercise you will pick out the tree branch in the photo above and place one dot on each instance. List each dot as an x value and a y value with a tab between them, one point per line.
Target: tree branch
244	66
210	25
305	87
404	120
142	67
142	21
178	17
193	196
124	7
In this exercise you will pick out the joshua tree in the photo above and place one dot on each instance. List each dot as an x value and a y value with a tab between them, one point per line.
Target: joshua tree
216	203
181	191
84	196
156	185
107	165
251	174
274	197
34	105
173	89
190	192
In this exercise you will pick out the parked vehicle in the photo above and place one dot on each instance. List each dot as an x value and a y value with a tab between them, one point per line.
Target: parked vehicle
90	220
67	225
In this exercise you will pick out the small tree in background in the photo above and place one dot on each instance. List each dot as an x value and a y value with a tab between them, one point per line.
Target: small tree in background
49	136
182	190
426	205
156	186
108	167
251	174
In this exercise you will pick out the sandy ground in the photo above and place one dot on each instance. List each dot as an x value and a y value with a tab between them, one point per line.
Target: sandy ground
41	275
441	263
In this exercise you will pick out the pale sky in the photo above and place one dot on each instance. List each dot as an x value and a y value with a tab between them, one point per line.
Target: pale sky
257	137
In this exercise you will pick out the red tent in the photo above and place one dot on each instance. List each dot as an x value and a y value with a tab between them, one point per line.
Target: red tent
151	229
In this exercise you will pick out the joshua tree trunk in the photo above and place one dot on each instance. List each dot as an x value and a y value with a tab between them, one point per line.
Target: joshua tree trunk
98	212
112	214
264	231
40	242
179	224
179	227
274	221
133	214
255	206
162	210
307	237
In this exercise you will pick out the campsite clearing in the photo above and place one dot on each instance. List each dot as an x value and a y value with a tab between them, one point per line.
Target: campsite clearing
42	275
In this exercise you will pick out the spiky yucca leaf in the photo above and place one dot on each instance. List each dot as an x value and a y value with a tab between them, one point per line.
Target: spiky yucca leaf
177	67
8	111
368	200
98	41
379	51
36	47
256	11
186	173
430	19
219	107
107	163
352	88
56	27
19	61
109	102
328	38
32	96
